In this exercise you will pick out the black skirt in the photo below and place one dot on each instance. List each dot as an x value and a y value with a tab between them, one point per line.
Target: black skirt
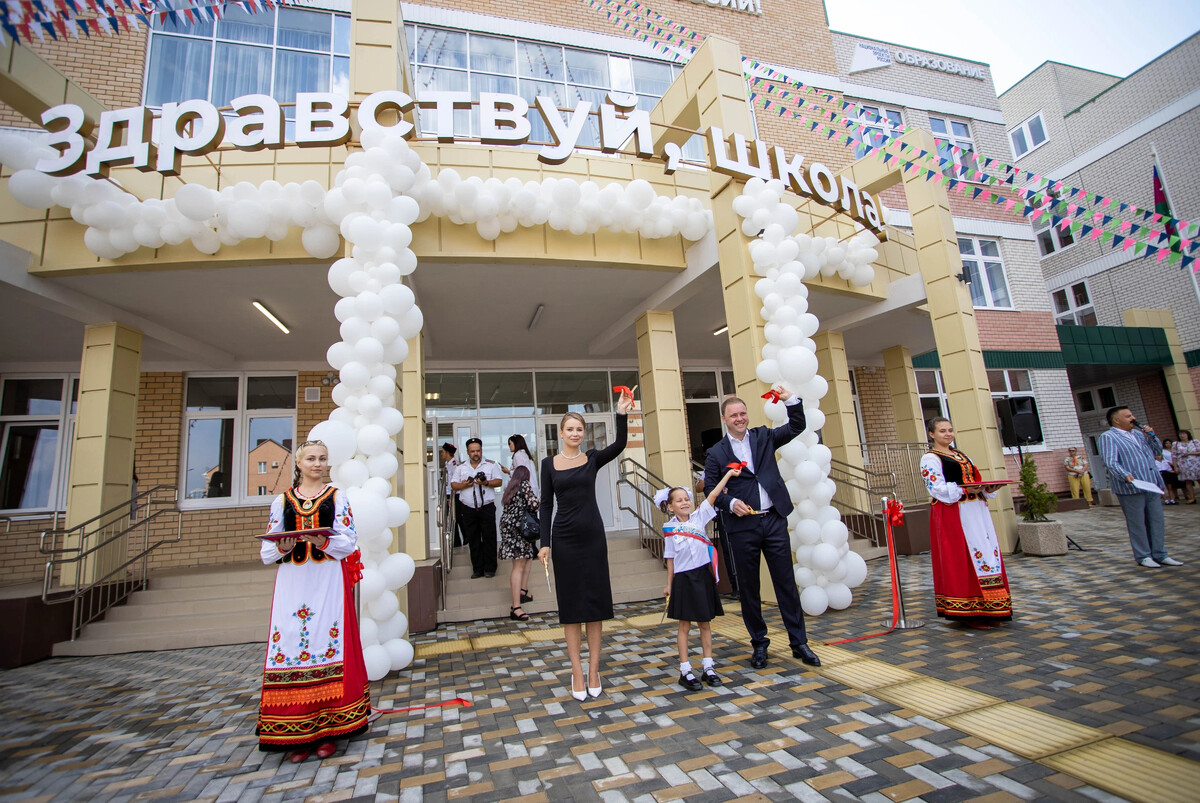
694	596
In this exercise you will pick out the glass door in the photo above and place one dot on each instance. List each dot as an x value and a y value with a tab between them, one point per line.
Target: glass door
598	433
437	432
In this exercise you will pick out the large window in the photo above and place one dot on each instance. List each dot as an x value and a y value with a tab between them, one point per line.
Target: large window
277	53
1052	238
932	394
877	122
1028	135
985	272
954	141
1073	306
233	425
37	418
464	61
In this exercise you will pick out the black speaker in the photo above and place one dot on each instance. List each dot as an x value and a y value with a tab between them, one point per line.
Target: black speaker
1018	420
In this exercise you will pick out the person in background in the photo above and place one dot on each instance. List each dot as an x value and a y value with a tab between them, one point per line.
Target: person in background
449	464
475	482
1130	453
1078	474
1186	453
519	499
1166	468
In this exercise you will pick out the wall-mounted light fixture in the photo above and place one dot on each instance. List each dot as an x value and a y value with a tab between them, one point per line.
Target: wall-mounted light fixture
271	317
330	378
537	314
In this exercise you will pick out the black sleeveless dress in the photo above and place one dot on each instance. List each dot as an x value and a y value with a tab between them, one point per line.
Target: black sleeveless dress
576	535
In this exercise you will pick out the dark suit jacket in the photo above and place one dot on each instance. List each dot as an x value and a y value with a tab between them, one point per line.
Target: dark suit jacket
763	443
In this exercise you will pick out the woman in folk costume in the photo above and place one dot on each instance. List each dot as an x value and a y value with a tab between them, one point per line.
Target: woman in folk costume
315	686
968	571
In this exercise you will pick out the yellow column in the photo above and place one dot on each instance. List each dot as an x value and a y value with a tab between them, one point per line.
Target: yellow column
957	337
840	432
378	51
102	452
413	537
1179	382
661	392
902	386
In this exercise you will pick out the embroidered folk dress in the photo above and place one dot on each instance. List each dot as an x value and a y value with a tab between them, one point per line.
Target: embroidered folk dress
315	685
968	571
694	595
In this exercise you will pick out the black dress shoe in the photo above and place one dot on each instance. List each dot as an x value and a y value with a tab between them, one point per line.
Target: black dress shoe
690	682
489	574
711	678
805	654
758	659
476	576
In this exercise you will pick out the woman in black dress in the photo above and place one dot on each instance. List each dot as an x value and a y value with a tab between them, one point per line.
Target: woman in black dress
577	537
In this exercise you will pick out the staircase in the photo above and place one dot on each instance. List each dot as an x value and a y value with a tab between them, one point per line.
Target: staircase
635	574
197	608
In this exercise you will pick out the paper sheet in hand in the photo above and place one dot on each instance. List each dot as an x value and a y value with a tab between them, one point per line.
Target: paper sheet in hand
1148	487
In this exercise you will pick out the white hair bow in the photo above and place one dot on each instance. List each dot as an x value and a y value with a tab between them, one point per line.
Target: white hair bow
663	494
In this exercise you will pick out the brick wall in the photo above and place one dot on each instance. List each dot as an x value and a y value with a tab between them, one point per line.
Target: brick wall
1050	469
1157	404
1016	330
875	402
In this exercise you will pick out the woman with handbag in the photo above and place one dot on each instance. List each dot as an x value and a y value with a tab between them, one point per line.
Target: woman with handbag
519	527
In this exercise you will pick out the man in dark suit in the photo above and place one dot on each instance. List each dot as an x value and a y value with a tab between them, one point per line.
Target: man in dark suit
754	510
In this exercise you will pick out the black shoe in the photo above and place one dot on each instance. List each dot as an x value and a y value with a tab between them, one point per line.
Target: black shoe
489	574
758	659
476	576
805	654
525	597
710	677
690	682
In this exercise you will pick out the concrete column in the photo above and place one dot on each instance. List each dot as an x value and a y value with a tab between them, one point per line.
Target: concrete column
902	386
378	51
102	451
840	432
957	336
661	392
1179	381
413	537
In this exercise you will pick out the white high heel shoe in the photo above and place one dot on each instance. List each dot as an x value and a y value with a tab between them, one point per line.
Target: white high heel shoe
578	695
594	691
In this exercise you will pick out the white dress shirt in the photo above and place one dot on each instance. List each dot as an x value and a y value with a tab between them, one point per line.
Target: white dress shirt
476	496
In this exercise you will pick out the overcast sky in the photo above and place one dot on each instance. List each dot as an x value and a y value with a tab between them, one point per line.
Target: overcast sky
1015	36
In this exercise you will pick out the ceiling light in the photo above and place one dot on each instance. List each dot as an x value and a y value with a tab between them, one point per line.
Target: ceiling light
271	317
432	396
722	330
537	314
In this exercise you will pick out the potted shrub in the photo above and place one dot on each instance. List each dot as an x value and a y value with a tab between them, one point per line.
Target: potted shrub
1037	534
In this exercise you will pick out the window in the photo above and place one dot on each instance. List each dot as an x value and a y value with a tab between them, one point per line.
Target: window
1009	384
1107	396
1028	135
1085	401
230	424
985	272
932	394
1052	238
277	53
465	61
955	143
877	123
37	422
1097	400
1073	306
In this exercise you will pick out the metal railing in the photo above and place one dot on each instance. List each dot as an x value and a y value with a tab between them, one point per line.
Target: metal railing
857	499
104	573
643	484
18	518
447	524
903	461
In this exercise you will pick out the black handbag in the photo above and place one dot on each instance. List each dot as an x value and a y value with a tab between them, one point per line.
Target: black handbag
531	528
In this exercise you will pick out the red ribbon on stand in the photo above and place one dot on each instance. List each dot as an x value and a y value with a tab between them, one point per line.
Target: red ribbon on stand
893	514
457	701
773	395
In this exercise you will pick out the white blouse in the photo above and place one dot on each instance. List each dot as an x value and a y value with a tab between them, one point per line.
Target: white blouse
688	552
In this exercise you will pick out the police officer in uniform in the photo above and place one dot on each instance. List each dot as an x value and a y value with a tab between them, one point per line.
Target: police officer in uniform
475	481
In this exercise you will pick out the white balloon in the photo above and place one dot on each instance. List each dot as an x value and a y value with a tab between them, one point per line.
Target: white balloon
320	242
384	606
804	576
385	329
776	412
814	419
797	365
355	375
371	585
808	532
400	652
369	406
856	569
824	557
368	351
378	662
338	439
398	511
411	323
839	596
768	371
390	419
814	600
339	276
395	627
196	202
397	570
808	473
368	632
372	439
834	533
381	488
353	473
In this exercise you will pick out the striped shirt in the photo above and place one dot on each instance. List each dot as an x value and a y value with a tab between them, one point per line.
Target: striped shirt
1130	454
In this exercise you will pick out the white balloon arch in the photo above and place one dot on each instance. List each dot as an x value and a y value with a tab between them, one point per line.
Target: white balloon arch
378	195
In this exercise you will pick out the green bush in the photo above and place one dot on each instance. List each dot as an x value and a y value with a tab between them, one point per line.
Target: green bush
1038	500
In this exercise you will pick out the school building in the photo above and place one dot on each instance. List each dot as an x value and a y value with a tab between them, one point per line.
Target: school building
157	363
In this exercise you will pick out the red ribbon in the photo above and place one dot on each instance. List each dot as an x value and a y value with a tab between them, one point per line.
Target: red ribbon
354	565
773	395
895	512
622	389
736	464
893	515
457	701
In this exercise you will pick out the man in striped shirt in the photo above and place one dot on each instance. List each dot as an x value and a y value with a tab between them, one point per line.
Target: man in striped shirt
1129	454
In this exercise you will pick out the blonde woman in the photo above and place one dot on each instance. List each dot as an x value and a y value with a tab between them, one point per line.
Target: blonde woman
575	538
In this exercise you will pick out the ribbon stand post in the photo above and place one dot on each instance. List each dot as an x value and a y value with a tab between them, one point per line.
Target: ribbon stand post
893	512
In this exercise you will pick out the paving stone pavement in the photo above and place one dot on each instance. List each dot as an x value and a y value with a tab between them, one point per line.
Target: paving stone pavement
1096	641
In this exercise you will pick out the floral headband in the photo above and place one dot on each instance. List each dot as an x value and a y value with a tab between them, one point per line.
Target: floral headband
663	494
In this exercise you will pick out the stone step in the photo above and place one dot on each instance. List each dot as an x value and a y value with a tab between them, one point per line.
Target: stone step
239	575
187	638
137	610
257	617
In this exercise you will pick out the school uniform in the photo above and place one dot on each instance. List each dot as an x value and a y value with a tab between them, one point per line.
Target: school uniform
694	595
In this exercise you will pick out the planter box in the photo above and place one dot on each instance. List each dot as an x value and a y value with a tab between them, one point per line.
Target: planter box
1042	538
